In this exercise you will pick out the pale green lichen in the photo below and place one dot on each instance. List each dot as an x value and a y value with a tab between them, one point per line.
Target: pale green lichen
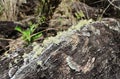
80	24
25	55
16	61
61	36
10	65
37	49
39	63
70	31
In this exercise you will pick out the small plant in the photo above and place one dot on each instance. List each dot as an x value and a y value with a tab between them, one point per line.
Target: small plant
28	35
41	19
79	14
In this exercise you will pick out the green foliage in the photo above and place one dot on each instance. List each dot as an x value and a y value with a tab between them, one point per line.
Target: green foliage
28	35
79	15
41	19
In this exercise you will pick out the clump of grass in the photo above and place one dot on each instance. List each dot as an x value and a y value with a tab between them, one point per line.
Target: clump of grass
9	9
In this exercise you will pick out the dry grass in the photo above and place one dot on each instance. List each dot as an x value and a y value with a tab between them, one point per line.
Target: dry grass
10	9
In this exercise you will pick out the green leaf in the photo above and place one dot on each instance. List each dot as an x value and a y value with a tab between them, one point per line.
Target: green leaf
36	36
81	14
18	28
33	27
26	35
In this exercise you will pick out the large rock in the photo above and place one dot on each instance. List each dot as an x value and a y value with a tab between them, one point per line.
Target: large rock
89	51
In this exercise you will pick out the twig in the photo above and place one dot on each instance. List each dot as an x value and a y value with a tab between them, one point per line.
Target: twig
6	39
104	11
111	2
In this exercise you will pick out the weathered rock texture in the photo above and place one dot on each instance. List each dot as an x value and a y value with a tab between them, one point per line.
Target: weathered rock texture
89	52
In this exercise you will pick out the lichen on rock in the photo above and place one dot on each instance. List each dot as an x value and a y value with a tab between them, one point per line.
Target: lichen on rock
75	54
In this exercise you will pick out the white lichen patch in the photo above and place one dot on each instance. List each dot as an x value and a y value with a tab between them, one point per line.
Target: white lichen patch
97	32
73	65
86	34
